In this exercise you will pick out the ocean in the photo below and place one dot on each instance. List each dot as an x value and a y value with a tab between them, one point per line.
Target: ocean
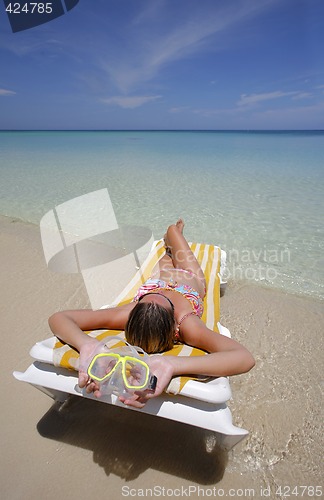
258	195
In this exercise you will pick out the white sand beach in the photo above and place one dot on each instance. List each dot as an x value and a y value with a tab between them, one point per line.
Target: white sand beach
95	449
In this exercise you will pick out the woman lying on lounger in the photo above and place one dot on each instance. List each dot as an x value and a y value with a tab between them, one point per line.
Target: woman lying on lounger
166	309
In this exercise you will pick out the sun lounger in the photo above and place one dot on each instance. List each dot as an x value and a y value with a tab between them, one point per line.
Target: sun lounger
199	402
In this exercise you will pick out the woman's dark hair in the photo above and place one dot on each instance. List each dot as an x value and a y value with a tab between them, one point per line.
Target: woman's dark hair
151	327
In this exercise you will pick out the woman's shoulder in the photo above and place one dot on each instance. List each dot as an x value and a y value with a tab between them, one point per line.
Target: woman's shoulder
113	317
191	328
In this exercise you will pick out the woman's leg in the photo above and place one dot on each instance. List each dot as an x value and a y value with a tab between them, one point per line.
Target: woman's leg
181	254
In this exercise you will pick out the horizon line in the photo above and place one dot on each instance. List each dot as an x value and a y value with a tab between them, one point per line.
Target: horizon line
161	130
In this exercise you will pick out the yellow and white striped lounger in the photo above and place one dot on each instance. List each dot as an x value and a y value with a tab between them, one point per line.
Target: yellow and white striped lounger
199	402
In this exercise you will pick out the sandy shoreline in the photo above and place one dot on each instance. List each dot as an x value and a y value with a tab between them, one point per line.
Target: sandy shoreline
91	449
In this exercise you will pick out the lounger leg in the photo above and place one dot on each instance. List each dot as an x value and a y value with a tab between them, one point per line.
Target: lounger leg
58	396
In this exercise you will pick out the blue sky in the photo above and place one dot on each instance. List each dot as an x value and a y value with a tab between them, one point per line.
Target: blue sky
167	64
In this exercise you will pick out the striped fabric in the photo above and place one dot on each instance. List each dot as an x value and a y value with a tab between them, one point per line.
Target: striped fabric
209	258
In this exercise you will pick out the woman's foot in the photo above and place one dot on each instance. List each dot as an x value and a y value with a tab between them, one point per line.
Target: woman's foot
180	225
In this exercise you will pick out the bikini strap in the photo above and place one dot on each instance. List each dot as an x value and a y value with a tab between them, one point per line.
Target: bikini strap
177	332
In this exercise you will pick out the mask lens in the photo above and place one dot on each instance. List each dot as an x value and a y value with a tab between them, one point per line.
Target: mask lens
136	374
102	366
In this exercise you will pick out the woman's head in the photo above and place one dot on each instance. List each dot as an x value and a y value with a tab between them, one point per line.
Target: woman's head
151	325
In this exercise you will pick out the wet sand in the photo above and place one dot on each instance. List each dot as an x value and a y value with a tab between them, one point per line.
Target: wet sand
89	448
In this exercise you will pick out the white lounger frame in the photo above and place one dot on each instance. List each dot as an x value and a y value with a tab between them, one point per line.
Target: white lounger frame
199	404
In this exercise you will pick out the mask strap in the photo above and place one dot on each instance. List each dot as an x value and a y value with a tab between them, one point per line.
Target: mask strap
136	350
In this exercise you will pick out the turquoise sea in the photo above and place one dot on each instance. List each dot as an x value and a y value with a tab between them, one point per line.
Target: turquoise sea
259	195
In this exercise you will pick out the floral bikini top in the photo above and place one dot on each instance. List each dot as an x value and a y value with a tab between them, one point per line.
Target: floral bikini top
152	285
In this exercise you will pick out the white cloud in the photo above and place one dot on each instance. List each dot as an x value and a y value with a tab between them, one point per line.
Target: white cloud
297	117
7	92
34	42
179	109
150	11
302	95
149	46
248	100
207	112
130	102
294	117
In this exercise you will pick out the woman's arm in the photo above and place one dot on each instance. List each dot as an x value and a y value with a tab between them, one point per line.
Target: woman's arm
68	326
227	357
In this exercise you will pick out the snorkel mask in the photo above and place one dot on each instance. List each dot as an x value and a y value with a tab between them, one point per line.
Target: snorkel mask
121	370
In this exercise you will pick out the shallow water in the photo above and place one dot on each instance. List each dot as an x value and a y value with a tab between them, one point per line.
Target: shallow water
258	195
280	400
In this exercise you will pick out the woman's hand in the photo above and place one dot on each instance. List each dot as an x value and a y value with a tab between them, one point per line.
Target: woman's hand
163	368
87	352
